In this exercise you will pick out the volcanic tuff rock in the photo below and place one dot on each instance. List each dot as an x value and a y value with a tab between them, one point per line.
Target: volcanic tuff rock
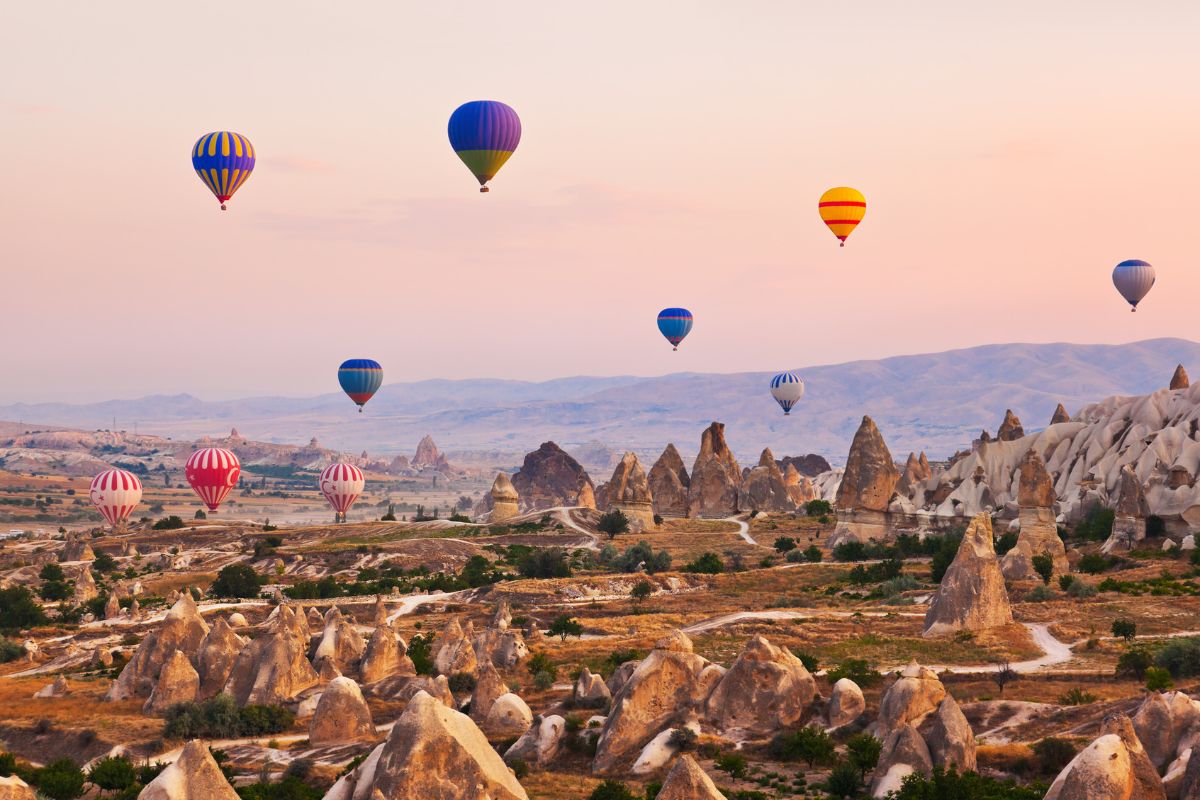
716	476
846	703
341	716
1146	781
870	475
767	689
13	788
903	753
456	653
272	669
1104	770
182	629
1060	415
916	472
1129	522
194	776
1180	379
112	607
60	688
915	694
668	481
178	682
428	456
549	477
764	488
434	753
216	656
663	689
800	488
809	465
1010	428
85	586
1039	531
590	691
949	737
77	549
629	492
505	500
341	644
686	781
508	718
488	687
541	743
384	657
504	648
438	688
972	595
1163	723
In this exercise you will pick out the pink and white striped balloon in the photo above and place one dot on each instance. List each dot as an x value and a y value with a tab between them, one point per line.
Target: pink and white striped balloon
115	493
342	484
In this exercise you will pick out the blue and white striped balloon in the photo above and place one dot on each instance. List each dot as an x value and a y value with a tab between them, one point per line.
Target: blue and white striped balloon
787	389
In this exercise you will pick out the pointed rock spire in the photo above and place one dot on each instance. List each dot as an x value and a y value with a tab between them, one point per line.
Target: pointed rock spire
1180	379
1060	415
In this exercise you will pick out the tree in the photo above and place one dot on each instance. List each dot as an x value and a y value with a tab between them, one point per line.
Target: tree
1053	754
545	562
104	563
390	516
59	780
236	580
564	625
112	774
612	523
785	543
817	508
862	751
1124	629
1134	662
813	554
708	563
52	572
200	513
1043	565
1158	679
1004	675
612	790
844	781
55	590
420	651
19	610
812	745
640	592
170	523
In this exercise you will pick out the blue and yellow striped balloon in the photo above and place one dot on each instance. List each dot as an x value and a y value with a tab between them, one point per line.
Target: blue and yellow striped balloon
224	161
484	133
360	379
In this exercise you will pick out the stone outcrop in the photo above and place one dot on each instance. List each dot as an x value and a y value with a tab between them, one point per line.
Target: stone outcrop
428	456
916	693
1129	523
384	657
764	488
809	465
669	482
13	788
590	691
628	491
112	607
60	688
870	476
508	718
1039	530
178	682
1113	767
85	586
766	690
686	781
194	776
903	753
272	669
505	500
916	472
549	477
504	648
949	737
182	629
664	688
800	488
489	687
77	549
341	644
341	715
1164	722
1060	415
1179	380
434	753
438	688
1010	429
541	743
716	477
456	654
846	703
216	656
972	596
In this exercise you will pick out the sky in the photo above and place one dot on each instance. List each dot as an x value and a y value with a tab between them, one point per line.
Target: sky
672	155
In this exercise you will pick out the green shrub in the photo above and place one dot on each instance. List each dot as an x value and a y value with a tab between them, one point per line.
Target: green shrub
1040	594
640	556
19	610
543	680
236	580
52	572
1054	754
612	523
112	774
850	551
59	780
862	751
1080	589
612	790
1158	679
807	659
220	718
965	786
1077	697
844	781
170	523
9	651
857	670
812	745
1181	657
1134	662
292	787
1094	563
564	625
816	508
1043	565
104	563
683	739
545	562
420	651
1006	542
708	563
1097	525
785	544
733	763
1124	629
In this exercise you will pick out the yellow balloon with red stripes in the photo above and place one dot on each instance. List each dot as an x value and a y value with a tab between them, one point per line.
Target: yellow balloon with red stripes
842	208
223	160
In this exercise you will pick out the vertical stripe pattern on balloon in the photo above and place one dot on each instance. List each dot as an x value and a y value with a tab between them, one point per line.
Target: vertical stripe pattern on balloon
787	389
212	473
342	484
223	160
115	493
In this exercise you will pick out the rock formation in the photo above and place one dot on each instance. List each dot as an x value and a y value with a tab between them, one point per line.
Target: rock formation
341	716
1039	531
972	596
764	488
13	788
1060	415
541	743
508	718
716	476
800	488
1113	767
686	781
340	643
60	688
1180	379
434	753
77	549
1164	722
949	737
216	656
456	654
504	498
384	657
504	648
868	483
809	465
549	477
917	693
846	703
438	688
903	753
668	481
1010	429
112	607
766	690
272	669
916	472
1129	524
182	629
489	687
194	776
590	691
628	491
178	682
428	456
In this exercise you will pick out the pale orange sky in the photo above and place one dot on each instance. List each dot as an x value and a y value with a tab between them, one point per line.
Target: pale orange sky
672	154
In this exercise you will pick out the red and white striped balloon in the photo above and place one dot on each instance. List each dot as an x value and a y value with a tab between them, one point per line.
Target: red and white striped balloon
212	473
342	484
115	493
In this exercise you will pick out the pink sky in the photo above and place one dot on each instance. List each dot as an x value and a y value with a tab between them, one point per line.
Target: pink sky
672	154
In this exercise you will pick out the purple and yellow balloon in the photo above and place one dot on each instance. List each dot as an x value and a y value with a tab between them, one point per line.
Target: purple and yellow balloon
224	161
484	134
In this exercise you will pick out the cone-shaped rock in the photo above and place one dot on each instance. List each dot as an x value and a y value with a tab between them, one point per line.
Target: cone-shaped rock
194	776
549	477
1039	531
949	736
178	682
766	690
505	500
341	715
1060	415
716	476
669	482
686	781
972	596
870	476
628	491
1180	379
182	629
489	686
384	657
13	788
272	669
1010	428
216	657
764	488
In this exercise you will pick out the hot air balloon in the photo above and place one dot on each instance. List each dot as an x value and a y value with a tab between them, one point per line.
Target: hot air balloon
1133	279
212	473
342	484
224	161
675	324
484	133
842	208
360	379
787	389
115	493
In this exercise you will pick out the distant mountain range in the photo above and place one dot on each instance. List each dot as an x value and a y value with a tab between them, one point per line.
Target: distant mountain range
936	402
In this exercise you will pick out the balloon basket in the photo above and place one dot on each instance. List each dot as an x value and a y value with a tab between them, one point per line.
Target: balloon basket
222	206
483	189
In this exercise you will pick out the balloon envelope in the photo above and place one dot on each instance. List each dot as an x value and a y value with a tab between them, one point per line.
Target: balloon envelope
787	389
842	208
675	324
1133	279
212	473
484	134
115	493
224	161
360	379
342	484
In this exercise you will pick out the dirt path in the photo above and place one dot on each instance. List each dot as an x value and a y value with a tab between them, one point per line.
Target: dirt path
743	529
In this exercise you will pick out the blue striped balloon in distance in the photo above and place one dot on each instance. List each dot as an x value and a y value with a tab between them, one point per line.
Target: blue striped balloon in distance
675	324
484	134
787	389
1134	279
224	161
360	378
